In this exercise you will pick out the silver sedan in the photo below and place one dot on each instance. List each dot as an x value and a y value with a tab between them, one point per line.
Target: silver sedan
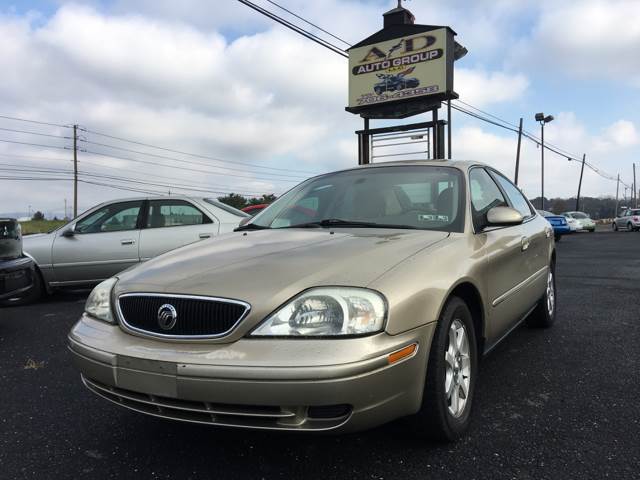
116	235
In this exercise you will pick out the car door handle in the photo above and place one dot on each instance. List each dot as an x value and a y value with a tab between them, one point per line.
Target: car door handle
127	241
205	235
525	243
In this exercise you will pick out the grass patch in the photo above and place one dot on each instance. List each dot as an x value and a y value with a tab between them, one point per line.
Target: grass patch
40	226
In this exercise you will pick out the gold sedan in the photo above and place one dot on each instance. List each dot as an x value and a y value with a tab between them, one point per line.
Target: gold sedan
358	297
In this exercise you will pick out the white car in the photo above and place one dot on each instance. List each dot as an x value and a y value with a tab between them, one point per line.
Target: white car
582	221
629	220
116	235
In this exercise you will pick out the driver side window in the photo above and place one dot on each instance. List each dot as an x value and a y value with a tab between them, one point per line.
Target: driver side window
485	195
116	217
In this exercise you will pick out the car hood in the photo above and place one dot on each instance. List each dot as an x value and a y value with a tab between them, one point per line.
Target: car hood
267	267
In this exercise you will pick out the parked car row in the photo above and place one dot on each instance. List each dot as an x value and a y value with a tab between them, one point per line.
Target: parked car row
114	236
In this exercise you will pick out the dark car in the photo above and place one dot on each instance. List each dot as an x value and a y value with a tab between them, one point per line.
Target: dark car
18	278
558	222
391	83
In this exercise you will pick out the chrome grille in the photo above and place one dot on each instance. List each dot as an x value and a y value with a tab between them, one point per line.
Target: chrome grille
196	317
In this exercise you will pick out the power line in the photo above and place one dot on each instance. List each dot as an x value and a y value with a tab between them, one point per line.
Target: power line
309	23
195	155
157	164
295	28
33	144
185	161
35	121
34	133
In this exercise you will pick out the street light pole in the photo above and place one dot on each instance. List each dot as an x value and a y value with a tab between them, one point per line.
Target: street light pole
540	117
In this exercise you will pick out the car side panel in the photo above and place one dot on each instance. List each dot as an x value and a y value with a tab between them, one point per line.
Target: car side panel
86	258
156	241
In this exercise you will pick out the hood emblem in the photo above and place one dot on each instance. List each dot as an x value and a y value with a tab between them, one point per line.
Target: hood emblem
167	316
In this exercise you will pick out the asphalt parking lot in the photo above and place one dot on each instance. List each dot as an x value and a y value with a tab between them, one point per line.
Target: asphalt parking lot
558	403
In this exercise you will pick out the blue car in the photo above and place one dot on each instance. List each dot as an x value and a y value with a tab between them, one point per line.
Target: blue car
558	222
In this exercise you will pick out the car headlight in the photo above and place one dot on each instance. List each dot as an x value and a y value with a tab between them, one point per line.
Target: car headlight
99	302
328	311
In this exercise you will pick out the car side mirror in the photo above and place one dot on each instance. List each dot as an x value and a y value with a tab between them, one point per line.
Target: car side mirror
68	232
244	221
503	216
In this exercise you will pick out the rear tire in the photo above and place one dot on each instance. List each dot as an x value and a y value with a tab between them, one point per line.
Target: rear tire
614	226
544	314
629	227
451	376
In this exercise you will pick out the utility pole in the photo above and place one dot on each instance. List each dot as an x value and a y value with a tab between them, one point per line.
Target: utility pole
617	191
65	209
584	155
518	151
75	171
635	187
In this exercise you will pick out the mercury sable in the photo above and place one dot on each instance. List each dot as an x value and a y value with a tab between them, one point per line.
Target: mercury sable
356	298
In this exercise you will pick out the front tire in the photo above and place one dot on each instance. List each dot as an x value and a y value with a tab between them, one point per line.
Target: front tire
451	375
544	314
614	226
629	227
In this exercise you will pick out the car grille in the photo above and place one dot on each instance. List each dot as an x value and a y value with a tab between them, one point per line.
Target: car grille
195	317
247	416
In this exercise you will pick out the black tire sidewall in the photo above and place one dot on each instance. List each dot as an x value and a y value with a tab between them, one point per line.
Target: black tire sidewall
445	425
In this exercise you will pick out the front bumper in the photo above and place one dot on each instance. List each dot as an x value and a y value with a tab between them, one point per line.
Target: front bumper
280	384
16	277
561	229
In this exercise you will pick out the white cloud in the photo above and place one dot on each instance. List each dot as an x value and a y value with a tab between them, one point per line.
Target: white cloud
481	88
220	80
588	39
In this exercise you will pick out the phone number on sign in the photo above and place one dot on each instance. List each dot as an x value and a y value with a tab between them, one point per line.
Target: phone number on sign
369	98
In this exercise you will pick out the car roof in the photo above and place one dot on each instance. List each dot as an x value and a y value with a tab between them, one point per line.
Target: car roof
459	164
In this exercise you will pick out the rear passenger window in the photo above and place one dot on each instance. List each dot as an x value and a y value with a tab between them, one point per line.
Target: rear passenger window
174	213
517	199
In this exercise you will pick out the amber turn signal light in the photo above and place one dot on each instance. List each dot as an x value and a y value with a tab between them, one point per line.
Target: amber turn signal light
402	353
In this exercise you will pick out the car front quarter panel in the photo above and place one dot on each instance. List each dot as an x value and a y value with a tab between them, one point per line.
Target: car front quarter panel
418	287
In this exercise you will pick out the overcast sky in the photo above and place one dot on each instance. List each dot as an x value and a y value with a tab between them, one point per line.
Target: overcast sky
219	80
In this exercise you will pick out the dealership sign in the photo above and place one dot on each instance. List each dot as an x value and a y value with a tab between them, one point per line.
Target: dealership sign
402	69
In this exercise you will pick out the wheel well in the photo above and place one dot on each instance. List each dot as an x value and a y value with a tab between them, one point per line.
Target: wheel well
553	256
45	285
469	293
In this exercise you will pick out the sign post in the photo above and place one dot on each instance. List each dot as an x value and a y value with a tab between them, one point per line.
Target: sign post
403	70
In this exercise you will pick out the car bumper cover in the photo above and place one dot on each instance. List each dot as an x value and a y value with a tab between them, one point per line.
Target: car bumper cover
343	384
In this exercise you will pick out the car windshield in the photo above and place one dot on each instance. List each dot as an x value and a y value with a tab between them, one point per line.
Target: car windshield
405	197
580	215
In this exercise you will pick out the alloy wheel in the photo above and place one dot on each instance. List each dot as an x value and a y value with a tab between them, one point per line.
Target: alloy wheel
458	369
551	294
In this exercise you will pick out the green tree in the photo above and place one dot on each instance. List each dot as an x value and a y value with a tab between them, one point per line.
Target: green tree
235	200
266	198
38	216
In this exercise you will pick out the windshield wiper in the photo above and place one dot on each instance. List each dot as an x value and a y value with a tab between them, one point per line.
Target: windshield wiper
337	222
250	226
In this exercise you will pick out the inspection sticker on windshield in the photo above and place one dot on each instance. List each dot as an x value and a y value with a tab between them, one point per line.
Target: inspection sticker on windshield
433	218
